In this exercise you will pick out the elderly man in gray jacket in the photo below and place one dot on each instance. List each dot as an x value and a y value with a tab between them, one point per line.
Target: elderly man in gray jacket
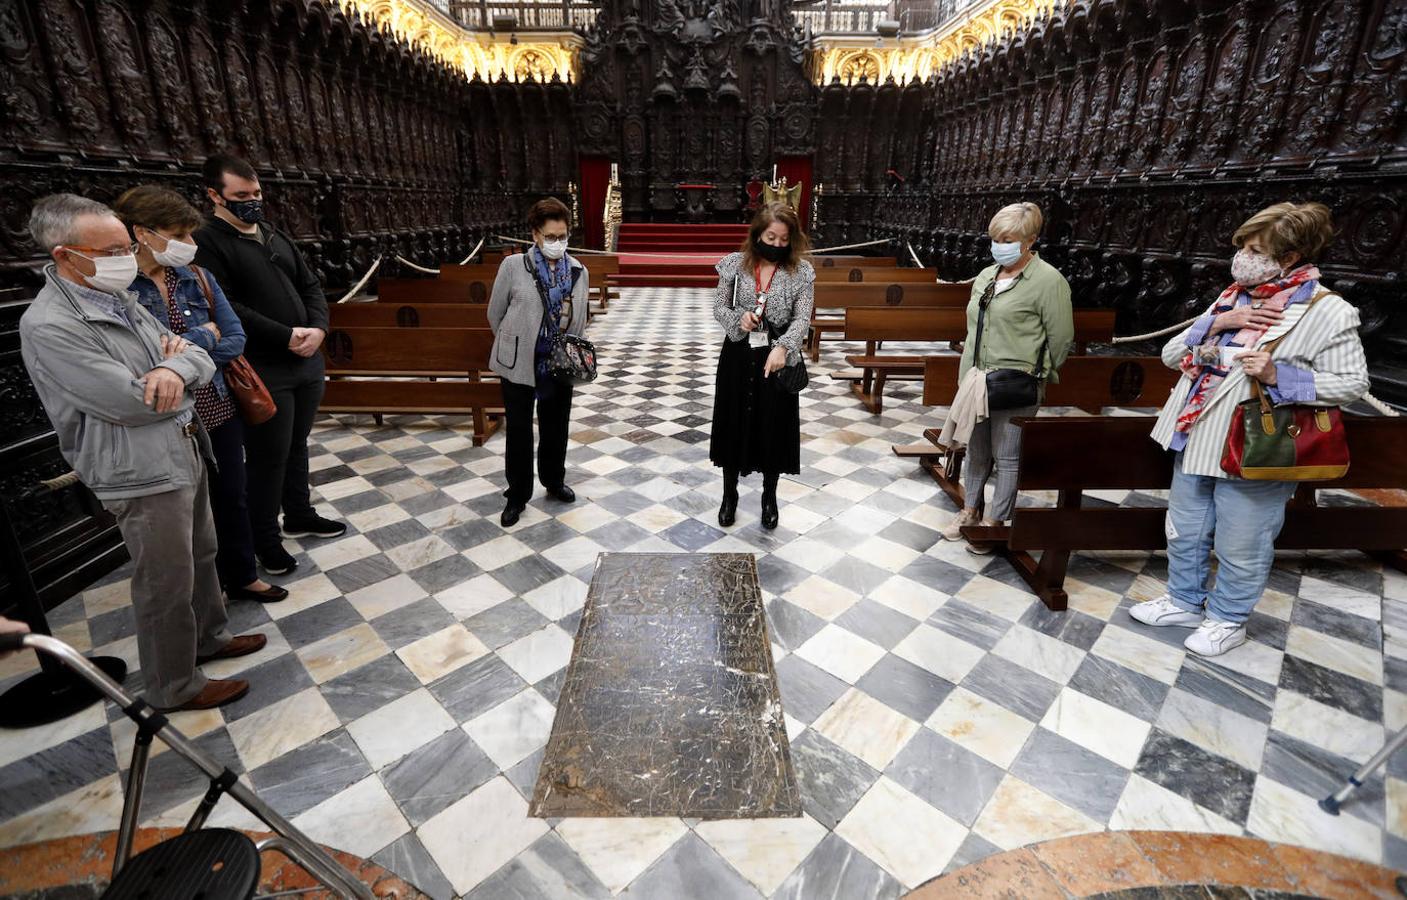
116	385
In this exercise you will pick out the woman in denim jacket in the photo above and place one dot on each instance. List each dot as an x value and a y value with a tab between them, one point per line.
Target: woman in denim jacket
169	288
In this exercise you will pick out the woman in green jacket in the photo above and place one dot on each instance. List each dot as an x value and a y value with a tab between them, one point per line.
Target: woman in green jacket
1027	325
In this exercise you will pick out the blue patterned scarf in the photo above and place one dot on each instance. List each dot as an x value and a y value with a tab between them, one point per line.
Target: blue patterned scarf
556	279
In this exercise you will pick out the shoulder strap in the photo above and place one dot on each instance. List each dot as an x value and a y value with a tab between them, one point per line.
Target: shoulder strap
1256	389
204	287
987	293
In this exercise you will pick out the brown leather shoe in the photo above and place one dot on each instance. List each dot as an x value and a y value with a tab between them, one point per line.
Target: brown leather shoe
239	645
217	692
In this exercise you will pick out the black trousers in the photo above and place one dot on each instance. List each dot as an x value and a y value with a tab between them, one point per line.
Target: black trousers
553	413
276	454
235	561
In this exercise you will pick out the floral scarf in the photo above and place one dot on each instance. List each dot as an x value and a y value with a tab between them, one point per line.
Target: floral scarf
1275	294
556	282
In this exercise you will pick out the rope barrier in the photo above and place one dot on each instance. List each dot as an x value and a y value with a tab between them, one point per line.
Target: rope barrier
912	255
1380	406
1171	329
361	284
583	250
405	262
473	253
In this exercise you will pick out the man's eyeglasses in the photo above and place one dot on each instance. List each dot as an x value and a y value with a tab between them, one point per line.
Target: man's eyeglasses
96	252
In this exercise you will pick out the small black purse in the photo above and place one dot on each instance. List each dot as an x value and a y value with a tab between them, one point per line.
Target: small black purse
1007	388
572	359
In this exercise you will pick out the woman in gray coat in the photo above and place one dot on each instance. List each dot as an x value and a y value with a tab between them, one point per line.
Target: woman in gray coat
536	294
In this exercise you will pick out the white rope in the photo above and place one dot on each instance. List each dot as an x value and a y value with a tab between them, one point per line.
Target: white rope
1380	406
473	253
1171	329
361	284
580	250
405	262
912	255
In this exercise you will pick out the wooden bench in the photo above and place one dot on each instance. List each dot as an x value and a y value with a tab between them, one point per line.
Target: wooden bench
1072	455
601	268
413	370
832	297
829	261
408	315
1090	383
874	326
433	290
857	274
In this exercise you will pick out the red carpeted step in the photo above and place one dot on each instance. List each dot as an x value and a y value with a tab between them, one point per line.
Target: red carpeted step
665	280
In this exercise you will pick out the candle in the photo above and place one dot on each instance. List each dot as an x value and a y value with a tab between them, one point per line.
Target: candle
774	173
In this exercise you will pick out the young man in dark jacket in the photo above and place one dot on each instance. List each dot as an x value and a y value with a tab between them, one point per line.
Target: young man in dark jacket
280	302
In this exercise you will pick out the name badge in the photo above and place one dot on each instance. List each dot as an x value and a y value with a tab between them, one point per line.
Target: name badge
757	337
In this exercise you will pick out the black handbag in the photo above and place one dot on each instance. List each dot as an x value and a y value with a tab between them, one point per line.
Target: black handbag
790	378
572	359
1007	388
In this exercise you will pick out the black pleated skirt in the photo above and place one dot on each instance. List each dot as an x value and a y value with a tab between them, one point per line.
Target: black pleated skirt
756	424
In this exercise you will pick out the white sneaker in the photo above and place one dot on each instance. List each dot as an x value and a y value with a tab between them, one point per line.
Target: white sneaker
1164	611
1213	638
984	548
954	530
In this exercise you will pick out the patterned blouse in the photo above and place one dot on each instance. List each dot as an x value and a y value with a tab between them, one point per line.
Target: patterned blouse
213	409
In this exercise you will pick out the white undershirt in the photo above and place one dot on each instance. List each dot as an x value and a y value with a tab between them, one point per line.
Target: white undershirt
1004	284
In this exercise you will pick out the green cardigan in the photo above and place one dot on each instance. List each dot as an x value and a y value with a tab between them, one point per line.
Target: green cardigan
1034	309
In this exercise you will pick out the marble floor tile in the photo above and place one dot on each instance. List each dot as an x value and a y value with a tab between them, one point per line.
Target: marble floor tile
764	851
1335	653
883	824
970	624
385	596
473	690
1252	660
950	778
909	597
688	869
436	655
1018	689
305	593
15	744
999	599
480	593
1342	597
558	597
1148	806
266	735
409	859
806	689
539	654
1140	653
837	871
822	597
432	777
549	868
1251	697
473	838
399	727
342	652
339	553
1214	728
1318	773
841	653
1280	813
1019	814
1326	727
512	730
1044	655
948	657
618	850
306	776
986	728
358	692
361	819
1211	781
832	780
1071	773
1097	726
96	806
866	728
498	552
903	686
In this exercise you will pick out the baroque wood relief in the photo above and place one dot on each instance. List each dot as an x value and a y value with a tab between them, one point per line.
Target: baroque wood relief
1146	132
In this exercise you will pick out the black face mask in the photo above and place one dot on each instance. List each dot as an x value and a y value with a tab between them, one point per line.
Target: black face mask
770	253
247	211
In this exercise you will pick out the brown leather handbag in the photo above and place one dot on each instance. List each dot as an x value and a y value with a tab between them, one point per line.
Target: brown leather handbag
255	404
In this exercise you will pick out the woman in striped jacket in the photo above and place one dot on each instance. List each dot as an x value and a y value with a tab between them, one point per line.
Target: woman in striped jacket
1277	292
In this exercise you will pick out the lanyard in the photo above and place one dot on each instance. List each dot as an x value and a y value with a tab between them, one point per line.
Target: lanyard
762	290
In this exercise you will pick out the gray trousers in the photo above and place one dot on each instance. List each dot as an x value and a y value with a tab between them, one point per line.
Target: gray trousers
995	446
176	595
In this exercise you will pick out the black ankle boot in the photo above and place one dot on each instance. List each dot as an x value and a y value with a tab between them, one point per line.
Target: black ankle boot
769	501
728	510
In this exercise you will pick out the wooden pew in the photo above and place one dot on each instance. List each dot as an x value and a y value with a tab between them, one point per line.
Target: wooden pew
433	290
830	260
874	326
413	370
875	273
1089	383
408	315
601	269
845	295
1072	455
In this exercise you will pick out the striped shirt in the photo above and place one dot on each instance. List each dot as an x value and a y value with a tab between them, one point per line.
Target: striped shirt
1325	344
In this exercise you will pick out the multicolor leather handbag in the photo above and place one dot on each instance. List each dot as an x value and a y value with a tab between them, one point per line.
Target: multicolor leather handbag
1284	443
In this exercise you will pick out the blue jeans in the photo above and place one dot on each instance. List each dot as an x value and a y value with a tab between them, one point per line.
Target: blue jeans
1237	518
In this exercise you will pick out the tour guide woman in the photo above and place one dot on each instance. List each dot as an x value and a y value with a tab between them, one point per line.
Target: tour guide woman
544	278
171	289
757	422
1027	327
1276	294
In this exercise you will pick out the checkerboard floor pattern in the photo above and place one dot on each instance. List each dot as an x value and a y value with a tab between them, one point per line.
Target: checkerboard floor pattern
938	712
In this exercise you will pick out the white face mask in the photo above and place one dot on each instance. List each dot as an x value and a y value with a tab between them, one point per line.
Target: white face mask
554	250
113	273
1006	252
177	253
1250	269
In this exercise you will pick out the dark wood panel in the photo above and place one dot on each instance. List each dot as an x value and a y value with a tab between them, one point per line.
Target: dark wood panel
408	315
876	273
432	290
440	397
391	350
1323	528
883	294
